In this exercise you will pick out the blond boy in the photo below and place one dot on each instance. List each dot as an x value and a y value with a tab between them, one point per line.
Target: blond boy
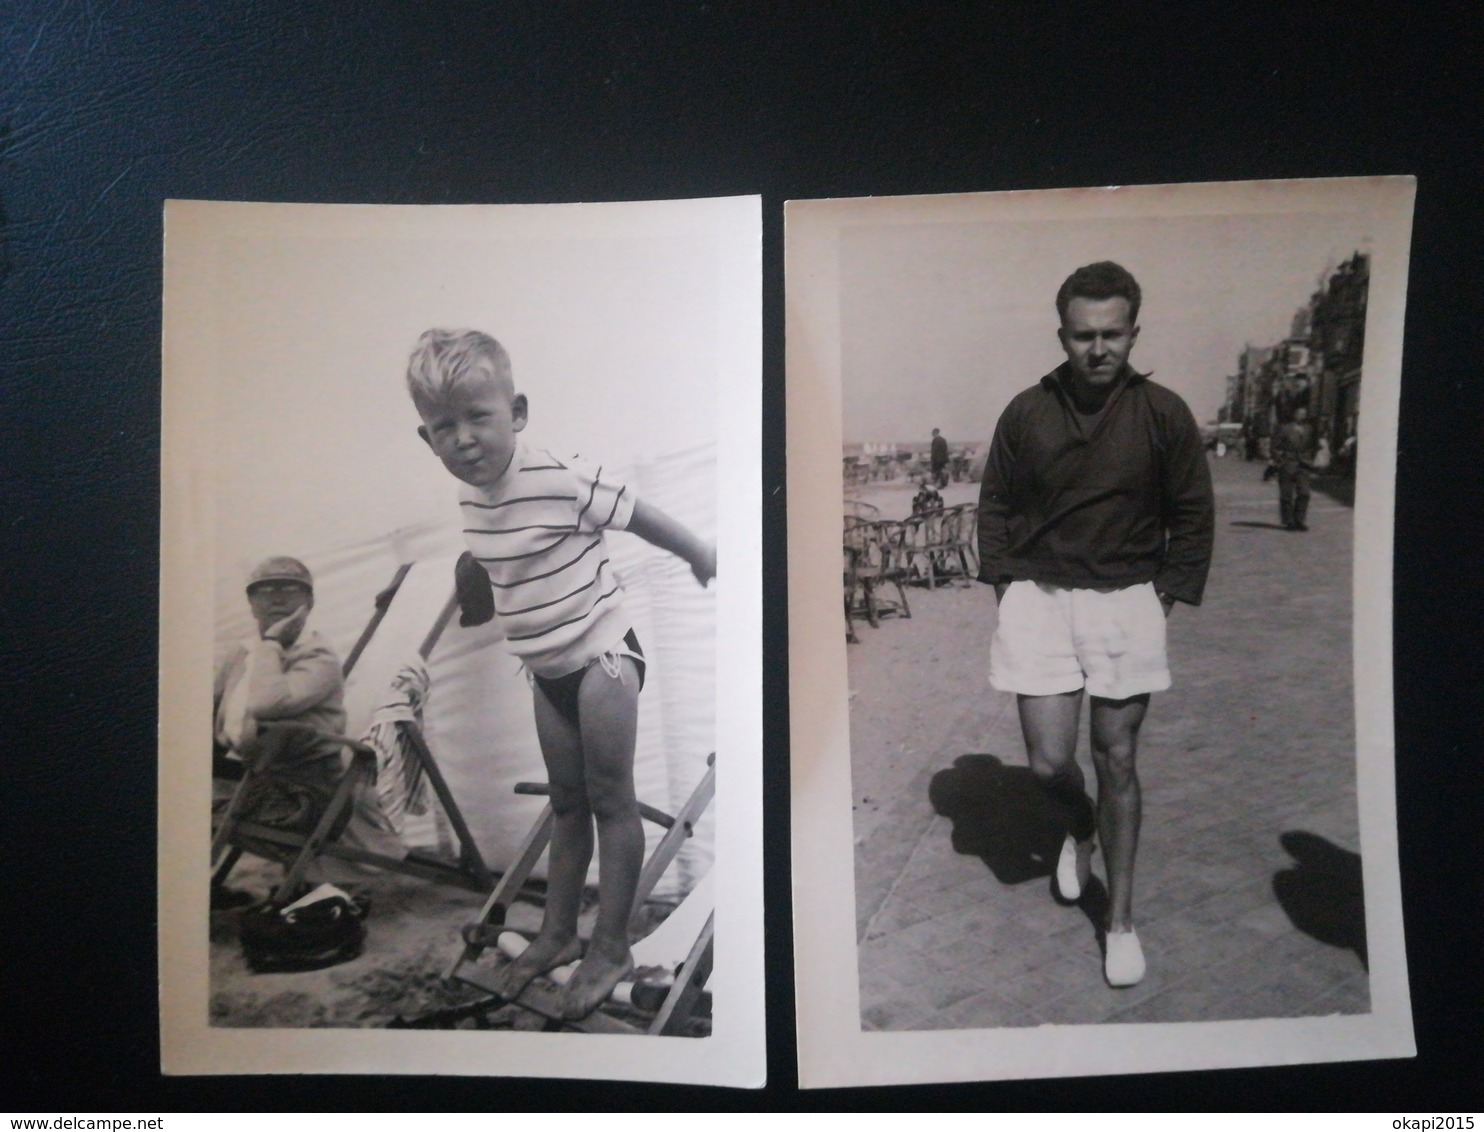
536	524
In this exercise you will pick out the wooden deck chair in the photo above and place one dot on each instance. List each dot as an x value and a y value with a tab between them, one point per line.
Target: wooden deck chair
940	547
881	559
671	1003
233	835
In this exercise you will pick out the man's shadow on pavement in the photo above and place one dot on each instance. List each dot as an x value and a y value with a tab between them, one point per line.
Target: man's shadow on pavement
1253	523
1323	894
1001	815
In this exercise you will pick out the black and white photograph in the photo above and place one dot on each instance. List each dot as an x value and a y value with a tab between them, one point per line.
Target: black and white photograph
1098	729
446	597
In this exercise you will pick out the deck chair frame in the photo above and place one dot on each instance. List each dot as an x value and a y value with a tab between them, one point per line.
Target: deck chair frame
468	870
877	550
681	998
940	546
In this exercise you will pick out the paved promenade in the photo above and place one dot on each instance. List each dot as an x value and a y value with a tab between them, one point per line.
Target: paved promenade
1248	896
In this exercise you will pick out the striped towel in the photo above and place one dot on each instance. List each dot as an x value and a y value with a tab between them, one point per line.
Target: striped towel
401	787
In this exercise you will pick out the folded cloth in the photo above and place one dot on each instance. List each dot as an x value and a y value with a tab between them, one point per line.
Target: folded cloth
237	724
401	787
358	904
382	816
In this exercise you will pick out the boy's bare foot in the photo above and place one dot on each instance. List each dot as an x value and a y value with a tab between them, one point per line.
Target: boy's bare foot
545	954
593	981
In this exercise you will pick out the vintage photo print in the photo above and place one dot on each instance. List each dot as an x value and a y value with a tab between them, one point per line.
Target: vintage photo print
460	707
1090	514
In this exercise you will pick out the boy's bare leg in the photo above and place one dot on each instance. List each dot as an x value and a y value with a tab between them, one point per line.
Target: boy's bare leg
610	716
571	853
1115	742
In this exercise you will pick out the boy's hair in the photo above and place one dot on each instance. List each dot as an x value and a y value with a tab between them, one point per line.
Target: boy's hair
443	360
1102	280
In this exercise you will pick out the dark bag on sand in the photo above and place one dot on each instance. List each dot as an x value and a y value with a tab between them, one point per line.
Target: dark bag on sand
324	928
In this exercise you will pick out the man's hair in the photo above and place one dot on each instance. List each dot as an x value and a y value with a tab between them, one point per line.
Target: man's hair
443	360
1102	280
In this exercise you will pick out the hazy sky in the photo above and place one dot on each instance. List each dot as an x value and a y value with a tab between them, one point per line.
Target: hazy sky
613	339
941	324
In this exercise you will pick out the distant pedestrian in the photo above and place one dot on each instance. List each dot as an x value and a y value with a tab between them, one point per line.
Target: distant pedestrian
1095	517
938	457
1293	456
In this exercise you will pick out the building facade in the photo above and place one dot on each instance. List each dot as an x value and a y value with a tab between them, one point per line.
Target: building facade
1316	367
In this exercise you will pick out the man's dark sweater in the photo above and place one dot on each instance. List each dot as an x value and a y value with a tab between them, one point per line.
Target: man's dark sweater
1106	500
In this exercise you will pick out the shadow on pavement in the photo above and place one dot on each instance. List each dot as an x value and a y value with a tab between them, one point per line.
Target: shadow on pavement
1322	894
1253	523
1001	815
1339	488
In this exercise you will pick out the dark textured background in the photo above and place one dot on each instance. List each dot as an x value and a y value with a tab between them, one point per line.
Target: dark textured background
106	109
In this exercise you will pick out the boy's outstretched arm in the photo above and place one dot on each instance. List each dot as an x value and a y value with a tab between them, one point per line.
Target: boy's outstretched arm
654	526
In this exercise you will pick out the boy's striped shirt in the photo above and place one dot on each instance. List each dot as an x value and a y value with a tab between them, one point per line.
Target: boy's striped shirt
538	533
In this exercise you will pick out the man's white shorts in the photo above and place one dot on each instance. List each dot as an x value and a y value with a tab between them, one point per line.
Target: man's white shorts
1051	640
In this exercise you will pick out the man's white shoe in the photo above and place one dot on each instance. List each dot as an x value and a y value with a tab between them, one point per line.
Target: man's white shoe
1074	867
1124	963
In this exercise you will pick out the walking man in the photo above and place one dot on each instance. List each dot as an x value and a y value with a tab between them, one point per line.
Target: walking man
1095	517
1293	455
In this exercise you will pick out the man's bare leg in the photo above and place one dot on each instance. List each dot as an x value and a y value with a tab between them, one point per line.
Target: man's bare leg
1049	724
571	852
1115	743
610	717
